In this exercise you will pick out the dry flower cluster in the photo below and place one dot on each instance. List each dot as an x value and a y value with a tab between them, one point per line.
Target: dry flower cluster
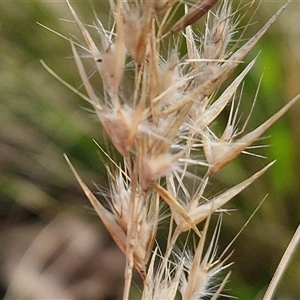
162	126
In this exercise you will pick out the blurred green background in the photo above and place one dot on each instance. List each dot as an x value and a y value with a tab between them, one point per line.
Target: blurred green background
41	205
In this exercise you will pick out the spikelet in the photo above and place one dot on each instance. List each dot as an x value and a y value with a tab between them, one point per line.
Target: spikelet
162	282
199	279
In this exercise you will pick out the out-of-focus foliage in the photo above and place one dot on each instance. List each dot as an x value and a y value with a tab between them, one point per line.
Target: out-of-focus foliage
41	119
42	208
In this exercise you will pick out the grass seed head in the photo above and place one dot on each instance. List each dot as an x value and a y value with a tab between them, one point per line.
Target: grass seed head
167	116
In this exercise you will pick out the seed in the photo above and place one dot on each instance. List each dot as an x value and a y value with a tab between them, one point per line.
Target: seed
193	15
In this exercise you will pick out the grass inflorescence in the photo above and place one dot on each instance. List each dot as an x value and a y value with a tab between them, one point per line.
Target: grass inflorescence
158	106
